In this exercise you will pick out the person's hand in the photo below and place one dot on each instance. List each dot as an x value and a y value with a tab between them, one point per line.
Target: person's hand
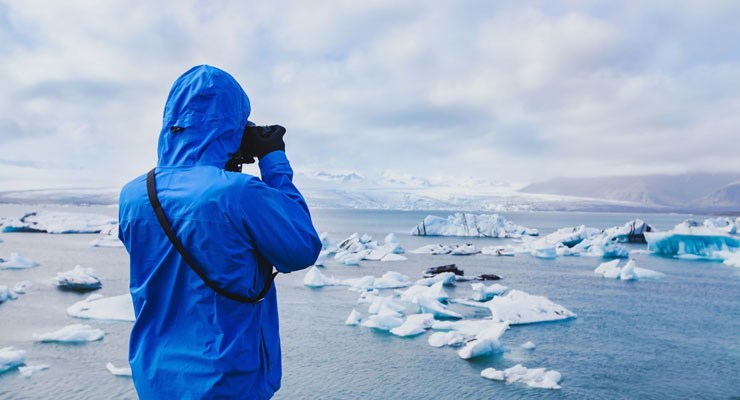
266	139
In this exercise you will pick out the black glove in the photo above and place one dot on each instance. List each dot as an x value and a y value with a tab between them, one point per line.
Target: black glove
265	139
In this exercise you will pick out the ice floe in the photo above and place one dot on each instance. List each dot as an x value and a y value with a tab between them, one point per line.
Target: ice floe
118	371
529	345
455	333
498	251
22	287
59	222
107	241
383	322
354	318
435	291
518	307
481	292
433	249
96	306
413	325
17	261
487	341
10	358
464	250
77	333
78	279
390	280
464	224
447	278
533	377
628	272
433	306
29	370
6	294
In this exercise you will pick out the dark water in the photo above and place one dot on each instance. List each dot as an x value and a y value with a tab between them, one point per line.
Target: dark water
678	337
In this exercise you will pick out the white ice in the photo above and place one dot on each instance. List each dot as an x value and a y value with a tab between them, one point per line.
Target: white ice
446	338
60	222
487	341
96	306
529	345
464	224
17	261
413	293
413	325
518	307
464	250
433	249
315	279
629	272
383	322
78	278
448	279
122	371
354	318
29	370
6	294
106	241
481	292
77	333
498	251
533	377
690	239
433	306
356	248
22	287
10	358
393	257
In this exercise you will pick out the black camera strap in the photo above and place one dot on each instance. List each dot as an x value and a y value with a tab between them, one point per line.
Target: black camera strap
151	189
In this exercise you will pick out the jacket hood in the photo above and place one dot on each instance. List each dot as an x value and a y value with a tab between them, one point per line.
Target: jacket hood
204	119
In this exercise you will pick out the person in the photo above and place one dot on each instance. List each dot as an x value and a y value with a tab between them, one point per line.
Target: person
188	341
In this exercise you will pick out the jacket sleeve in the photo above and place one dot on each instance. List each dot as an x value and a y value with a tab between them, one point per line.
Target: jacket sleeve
278	217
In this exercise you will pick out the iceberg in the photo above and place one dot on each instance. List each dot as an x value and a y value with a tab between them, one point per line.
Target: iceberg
413	325
29	370
78	279
629	272
96	306
455	333
481	292
107	241
498	251
731	258
393	257
464	250
356	248
315	279
487	341
447	278
528	345
412	294
449	338
464	224
60	222
77	333
6	294
702	246
518	308
10	358
433	306
383	322
390	280
21	287
354	318
17	262
433	249
122	371
533	377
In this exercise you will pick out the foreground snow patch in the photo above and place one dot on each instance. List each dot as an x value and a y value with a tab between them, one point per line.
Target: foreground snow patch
10	358
77	333
517	308
464	224
532	377
96	306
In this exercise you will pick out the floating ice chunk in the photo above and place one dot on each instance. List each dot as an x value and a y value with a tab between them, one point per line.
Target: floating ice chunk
571	236
433	249
389	280
487	341
106	241
393	257
429	305
644	273
315	279
631	232
481	292
22	287
528	345
532	377
463	224
382	322
609	269
29	370
76	333
6	294
349	258
413	293
731	258
447	278
60	222
415	324
10	358
78	279
469	303
18	262
627	273
354	318
321	259
122	371
707	246
380	303
392	245
326	243
374	255
519	307
449	338
544	249
498	251
464	250
96	306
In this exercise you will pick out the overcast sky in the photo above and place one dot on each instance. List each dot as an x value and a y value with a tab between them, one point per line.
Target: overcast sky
511	91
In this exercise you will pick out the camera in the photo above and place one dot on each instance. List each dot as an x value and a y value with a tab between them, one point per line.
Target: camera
247	149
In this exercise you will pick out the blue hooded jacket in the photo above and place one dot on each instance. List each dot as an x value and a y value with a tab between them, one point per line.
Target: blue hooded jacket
187	341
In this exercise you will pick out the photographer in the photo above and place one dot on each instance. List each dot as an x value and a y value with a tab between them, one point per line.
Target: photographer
203	239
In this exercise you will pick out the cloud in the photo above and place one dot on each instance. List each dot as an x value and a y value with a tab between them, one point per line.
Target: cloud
496	90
